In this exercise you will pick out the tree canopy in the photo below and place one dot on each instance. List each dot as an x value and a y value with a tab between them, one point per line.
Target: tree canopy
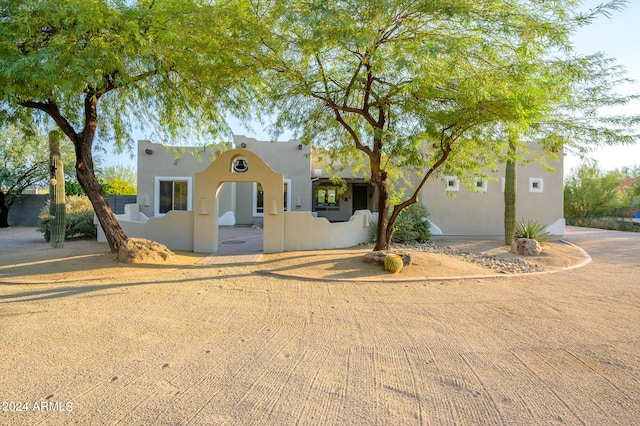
590	193
434	87
98	68
24	160
119	179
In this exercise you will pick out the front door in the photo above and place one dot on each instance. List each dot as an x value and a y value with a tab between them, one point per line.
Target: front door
359	198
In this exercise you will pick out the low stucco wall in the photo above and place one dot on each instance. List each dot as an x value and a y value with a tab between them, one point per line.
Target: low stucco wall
303	231
175	229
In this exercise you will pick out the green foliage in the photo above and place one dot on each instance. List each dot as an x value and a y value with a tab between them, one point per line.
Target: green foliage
430	87
23	162
148	57
119	187
393	263
590	193
79	218
411	226
118	179
102	69
73	187
532	230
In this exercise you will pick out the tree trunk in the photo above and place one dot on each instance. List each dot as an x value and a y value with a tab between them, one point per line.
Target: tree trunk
510	196
383	237
87	179
4	212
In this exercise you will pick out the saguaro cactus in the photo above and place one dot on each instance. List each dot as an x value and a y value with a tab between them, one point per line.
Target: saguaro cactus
57	207
510	194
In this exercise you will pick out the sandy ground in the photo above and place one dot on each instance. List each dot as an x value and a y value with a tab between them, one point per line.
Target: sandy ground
32	261
89	341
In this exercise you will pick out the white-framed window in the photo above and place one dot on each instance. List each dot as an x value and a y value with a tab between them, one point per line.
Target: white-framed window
258	198
536	185
452	183
482	185
172	193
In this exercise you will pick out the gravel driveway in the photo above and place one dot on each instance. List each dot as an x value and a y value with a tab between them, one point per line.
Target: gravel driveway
222	345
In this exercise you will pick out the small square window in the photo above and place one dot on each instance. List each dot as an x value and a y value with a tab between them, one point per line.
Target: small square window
452	183
482	185
536	185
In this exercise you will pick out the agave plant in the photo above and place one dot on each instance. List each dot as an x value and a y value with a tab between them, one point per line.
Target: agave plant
532	230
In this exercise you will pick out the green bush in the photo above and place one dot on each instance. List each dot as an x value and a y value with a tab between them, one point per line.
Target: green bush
532	230
79	221
411	226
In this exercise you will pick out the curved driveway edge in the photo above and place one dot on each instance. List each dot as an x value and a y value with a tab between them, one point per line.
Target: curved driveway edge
394	278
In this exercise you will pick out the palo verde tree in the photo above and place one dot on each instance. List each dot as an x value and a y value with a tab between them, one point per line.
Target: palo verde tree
97	68
425	87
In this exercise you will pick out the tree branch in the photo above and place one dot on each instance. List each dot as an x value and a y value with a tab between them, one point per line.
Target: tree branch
51	109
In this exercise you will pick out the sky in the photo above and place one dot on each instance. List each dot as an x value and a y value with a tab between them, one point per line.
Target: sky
617	36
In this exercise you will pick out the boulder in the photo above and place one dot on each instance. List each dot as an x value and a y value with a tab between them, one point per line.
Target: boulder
378	257
526	246
140	250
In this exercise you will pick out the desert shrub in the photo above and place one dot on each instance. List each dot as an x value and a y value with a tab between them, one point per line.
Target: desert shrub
411	226
79	222
532	230
590	194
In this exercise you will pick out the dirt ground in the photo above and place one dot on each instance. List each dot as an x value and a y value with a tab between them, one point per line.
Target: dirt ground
89	260
86	340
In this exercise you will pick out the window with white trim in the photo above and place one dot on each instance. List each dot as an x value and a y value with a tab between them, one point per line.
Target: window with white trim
258	198
536	185
172	193
452	183
482	185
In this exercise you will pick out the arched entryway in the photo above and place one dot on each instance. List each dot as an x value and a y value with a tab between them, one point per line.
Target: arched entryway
238	165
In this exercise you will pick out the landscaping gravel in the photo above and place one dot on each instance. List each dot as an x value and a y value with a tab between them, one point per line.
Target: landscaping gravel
500	264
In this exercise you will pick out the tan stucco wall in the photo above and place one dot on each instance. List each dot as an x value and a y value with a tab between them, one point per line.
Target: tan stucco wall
482	214
319	233
469	214
207	185
163	162
283	157
175	230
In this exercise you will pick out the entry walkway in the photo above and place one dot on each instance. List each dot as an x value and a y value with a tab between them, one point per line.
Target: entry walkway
236	245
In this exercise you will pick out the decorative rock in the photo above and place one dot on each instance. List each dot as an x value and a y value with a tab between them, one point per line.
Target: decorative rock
526	246
378	257
140	250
